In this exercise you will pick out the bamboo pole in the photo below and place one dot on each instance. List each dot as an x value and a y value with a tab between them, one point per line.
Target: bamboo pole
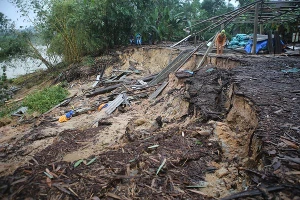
187	37
226	20
255	30
226	14
208	51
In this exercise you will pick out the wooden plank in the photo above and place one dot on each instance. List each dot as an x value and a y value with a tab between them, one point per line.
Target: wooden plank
113	87
127	71
102	72
97	81
159	90
103	90
149	78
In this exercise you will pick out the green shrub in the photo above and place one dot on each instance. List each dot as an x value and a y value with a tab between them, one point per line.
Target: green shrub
44	100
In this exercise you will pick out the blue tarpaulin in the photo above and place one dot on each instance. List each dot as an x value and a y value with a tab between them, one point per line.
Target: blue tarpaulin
259	45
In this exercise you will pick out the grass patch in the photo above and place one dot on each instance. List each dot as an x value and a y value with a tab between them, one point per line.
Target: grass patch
45	99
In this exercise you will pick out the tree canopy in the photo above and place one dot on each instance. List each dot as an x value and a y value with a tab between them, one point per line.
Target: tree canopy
75	28
11	41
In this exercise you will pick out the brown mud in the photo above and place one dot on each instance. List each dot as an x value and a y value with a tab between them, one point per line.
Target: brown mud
233	126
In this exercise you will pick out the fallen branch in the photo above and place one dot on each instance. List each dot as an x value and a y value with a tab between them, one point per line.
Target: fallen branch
289	142
113	196
62	189
103	90
295	91
288	158
252	171
252	193
198	192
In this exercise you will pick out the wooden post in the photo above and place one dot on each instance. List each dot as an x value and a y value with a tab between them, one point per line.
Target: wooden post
270	43
294	40
261	29
278	46
255	29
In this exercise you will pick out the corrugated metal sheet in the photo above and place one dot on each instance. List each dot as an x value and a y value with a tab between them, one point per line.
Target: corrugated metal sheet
116	102
20	112
173	66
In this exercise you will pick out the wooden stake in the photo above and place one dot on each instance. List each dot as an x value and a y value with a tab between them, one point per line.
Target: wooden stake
255	29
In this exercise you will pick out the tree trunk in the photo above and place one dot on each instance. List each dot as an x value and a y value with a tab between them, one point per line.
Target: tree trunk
39	56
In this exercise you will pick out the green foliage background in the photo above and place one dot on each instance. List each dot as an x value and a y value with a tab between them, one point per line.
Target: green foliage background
12	42
76	28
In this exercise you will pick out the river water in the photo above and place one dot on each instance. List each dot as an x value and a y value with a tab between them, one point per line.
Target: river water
17	66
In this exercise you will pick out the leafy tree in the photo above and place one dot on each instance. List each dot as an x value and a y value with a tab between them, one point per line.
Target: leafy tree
244	2
214	7
4	23
27	35
77	28
12	42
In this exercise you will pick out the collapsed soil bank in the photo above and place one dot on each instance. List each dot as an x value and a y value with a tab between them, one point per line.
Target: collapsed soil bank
152	59
258	128
215	108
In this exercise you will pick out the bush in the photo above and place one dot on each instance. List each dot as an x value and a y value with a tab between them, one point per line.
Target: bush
44	100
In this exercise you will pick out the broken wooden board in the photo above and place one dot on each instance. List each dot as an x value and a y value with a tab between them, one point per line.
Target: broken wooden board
159	90
103	90
127	71
97	81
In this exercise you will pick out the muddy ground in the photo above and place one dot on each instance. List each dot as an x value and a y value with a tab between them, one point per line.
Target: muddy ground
230	129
